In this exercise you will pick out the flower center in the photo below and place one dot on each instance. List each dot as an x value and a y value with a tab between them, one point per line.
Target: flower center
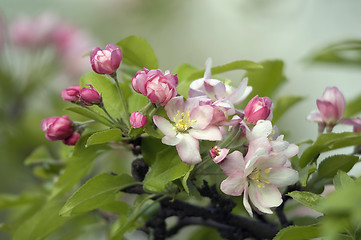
258	178
183	121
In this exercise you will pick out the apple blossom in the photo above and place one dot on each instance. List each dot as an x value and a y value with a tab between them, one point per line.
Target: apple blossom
72	139
191	122
106	61
138	120
90	96
355	122
218	154
157	87
57	128
259	175
331	107
258	108
217	90
71	94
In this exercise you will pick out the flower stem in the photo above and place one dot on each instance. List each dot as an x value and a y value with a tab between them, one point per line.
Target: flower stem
107	113
125	106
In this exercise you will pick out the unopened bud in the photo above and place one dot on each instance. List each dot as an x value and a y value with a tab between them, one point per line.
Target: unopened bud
138	120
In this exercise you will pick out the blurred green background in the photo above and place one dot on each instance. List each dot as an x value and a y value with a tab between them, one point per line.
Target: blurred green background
187	31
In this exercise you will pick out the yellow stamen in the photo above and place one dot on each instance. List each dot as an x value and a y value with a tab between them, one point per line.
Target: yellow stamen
183	121
256	176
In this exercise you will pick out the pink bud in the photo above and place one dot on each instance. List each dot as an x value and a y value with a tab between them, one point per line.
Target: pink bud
72	139
157	87
90	96
258	108
106	61
331	105
71	94
138	120
57	128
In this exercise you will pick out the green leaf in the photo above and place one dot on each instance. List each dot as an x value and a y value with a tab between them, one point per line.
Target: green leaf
138	52
307	199
267	80
185	179
299	232
150	147
183	72
305	173
342	180
166	168
240	64
89	113
128	223
39	155
353	107
116	206
346	52
327	142
283	104
105	136
41	224
96	192
136	102
78	165
329	166
109	92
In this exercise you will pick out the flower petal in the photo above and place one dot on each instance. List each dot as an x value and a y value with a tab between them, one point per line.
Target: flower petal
234	185
255	200
172	140
268	196
211	133
203	116
173	106
164	126
282	176
234	162
188	150
246	204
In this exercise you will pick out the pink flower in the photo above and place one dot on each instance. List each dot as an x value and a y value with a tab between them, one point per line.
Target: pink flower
106	61
355	122
72	139
157	87
259	175
57	128
90	96
258	108
331	107
71	94
219	92
33	32
218	154
138	120
191	123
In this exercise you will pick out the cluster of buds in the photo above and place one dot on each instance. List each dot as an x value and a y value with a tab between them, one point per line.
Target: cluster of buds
60	128
87	96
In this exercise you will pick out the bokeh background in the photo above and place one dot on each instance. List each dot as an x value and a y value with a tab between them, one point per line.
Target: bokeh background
187	31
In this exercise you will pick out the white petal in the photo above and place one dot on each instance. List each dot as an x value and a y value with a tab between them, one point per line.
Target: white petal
282	176
173	106
232	163
240	93
164	126
188	150
203	116
234	185
268	196
172	140
263	128
211	133
246	204
255	201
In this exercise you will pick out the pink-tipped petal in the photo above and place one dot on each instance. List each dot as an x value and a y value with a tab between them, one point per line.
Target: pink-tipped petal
173	106
234	184
188	150
203	116
211	133
164	126
282	176
234	162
